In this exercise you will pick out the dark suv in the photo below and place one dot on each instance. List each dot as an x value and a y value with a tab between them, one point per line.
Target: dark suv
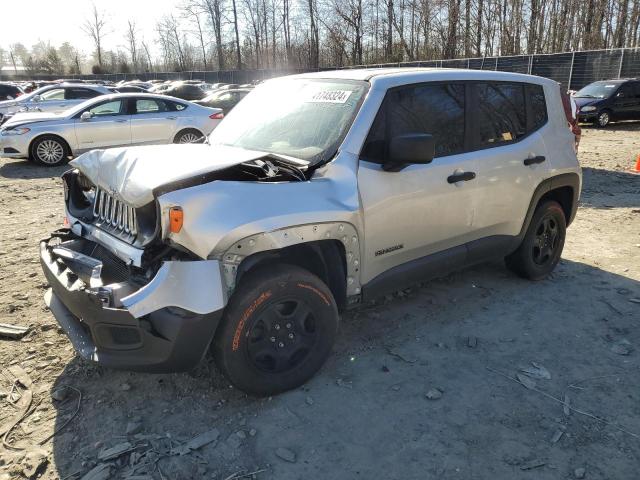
9	91
609	100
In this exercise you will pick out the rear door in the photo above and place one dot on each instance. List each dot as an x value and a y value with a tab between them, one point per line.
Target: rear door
76	95
510	153
152	121
110	125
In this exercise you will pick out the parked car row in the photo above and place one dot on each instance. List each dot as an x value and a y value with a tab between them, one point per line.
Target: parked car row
65	120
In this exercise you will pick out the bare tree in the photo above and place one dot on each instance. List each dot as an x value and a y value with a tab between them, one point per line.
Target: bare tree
95	27
132	41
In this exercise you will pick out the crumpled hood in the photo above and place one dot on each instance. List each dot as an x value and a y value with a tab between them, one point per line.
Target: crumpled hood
135	172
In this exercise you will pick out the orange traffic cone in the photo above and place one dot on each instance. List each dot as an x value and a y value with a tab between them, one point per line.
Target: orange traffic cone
637	169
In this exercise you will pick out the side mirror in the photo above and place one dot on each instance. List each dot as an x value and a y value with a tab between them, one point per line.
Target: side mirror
86	116
620	95
408	149
37	98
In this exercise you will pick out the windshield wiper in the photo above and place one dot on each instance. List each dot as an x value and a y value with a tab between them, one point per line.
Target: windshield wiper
585	95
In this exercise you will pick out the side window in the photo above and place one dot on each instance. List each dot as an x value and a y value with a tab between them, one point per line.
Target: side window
501	112
105	109
53	95
175	106
626	91
80	93
538	107
435	109
149	105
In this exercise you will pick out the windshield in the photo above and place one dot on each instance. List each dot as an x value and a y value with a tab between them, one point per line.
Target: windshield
597	90
301	118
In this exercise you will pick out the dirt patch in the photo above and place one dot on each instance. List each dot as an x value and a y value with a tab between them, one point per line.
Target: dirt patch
421	385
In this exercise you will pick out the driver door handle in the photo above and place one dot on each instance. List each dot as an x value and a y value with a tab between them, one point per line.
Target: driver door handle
171	118
120	120
461	177
534	160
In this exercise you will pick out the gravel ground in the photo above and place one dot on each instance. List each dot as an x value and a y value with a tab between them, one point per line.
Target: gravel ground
420	385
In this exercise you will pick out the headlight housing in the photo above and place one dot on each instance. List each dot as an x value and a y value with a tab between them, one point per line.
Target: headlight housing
588	108
15	131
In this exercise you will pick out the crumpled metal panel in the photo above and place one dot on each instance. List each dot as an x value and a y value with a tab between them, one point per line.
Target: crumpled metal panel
341	231
195	286
132	173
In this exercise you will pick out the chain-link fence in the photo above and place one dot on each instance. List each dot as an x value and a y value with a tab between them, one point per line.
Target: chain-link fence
573	70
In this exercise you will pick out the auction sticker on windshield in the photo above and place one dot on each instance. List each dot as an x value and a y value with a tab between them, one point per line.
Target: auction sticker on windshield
329	96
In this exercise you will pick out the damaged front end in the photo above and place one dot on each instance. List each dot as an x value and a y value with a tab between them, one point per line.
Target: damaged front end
132	292
115	315
124	298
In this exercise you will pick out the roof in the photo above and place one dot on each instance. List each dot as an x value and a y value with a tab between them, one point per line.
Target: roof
388	77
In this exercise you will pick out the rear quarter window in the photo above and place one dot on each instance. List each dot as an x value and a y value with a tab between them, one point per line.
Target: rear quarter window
502	113
537	107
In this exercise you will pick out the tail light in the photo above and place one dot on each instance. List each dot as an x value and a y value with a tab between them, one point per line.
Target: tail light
18	94
216	116
571	113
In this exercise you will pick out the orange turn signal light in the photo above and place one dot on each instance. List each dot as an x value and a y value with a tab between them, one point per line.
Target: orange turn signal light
176	216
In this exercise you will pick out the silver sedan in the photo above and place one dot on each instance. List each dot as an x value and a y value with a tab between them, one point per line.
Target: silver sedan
107	121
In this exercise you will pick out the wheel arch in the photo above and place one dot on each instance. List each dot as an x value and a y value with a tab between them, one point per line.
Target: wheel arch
330	251
564	189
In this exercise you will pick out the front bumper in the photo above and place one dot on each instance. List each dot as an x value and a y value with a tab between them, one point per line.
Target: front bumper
587	117
14	146
124	324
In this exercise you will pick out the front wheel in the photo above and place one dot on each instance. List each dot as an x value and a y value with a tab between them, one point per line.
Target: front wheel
542	245
50	151
603	119
277	330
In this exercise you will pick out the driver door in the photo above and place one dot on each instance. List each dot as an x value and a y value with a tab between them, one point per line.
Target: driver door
420	213
109	125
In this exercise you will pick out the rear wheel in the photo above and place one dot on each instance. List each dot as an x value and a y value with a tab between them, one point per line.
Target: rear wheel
542	245
189	136
277	330
50	151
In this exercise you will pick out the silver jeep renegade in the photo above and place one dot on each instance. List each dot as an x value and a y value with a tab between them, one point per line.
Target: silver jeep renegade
318	192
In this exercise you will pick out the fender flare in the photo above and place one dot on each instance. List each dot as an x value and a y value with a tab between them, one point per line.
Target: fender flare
343	232
563	180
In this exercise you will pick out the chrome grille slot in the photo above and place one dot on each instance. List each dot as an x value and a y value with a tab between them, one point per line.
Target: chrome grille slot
113	214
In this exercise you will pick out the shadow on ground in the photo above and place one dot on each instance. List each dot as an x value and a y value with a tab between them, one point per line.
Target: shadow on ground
600	191
29	170
365	415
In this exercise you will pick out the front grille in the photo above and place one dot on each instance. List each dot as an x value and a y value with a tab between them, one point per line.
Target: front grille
114	215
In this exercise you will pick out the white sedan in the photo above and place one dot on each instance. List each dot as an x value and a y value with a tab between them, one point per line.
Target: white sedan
107	121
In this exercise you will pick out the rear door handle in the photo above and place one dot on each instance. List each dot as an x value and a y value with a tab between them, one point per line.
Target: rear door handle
171	118
534	160
461	177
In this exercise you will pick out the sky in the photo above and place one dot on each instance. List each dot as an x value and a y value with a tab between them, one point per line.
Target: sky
57	21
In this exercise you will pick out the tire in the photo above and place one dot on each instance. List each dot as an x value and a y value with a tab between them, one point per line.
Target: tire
190	135
277	330
542	245
50	151
603	119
